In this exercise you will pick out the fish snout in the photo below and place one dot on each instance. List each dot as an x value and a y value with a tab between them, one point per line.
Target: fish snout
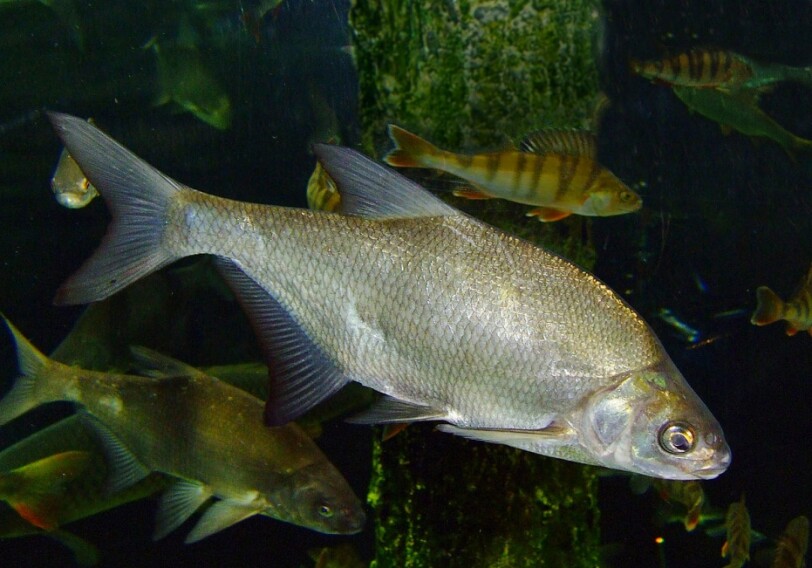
718	464
351	519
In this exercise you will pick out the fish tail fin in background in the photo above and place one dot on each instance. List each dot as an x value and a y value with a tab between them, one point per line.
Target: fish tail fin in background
32	388
138	197
35	490
769	307
410	150
788	73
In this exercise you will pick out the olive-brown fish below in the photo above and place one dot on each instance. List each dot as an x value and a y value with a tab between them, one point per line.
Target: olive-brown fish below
449	318
201	430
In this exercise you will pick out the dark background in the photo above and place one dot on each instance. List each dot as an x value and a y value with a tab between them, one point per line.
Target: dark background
723	215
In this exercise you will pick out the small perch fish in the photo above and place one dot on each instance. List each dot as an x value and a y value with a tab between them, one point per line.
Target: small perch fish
720	69
558	184
793	544
797	311
737	545
200	430
698	68
69	184
450	319
322	193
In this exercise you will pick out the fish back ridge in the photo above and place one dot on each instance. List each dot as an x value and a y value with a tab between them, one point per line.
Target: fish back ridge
32	387
410	150
769	307
138	196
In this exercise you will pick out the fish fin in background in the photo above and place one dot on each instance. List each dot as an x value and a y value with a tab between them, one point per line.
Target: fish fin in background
158	365
392	430
369	189
410	150
389	409
23	396
471	193
553	435
84	553
769	307
639	484
136	194
692	517
219	516
178	503
35	490
300	374
123	467
547	214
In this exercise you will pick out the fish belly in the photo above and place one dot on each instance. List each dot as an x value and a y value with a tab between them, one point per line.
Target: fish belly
440	311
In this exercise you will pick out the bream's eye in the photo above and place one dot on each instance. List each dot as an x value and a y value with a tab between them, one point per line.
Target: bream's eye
677	438
325	511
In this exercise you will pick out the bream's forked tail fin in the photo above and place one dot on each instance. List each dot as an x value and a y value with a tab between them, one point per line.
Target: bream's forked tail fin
138	196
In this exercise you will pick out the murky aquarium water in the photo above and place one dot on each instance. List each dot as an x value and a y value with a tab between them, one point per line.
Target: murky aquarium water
476	283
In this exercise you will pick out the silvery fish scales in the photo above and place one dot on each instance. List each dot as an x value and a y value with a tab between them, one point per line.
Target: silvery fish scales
452	319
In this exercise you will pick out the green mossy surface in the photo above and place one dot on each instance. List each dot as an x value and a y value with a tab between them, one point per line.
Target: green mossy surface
473	75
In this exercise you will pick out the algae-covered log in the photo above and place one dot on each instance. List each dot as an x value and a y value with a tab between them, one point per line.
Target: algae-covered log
470	75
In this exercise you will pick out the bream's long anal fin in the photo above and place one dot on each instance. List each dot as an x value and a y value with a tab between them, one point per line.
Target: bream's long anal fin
300	374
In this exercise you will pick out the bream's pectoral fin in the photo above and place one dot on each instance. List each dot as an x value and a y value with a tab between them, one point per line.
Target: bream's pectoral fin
388	409
553	435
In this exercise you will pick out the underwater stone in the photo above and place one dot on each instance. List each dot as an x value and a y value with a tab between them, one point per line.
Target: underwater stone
471	75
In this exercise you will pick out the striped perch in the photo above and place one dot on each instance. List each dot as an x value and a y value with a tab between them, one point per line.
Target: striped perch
557	184
797	311
716	68
792	545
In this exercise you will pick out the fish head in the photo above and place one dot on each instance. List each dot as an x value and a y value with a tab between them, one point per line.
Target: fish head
322	500
609	196
651	422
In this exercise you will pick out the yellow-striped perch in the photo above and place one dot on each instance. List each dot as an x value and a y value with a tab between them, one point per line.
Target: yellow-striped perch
719	69
700	67
796	311
557	184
